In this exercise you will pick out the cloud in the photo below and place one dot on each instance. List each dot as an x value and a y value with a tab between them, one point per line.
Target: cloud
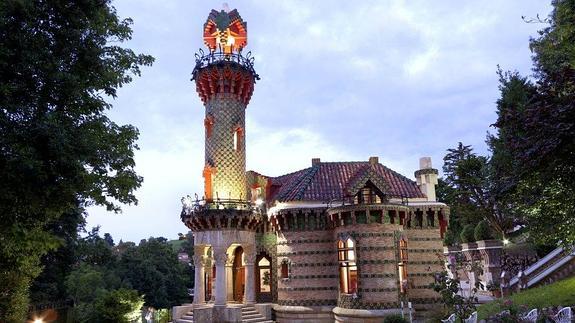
340	80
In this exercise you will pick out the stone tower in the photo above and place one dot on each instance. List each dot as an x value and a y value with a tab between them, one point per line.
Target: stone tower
224	221
225	82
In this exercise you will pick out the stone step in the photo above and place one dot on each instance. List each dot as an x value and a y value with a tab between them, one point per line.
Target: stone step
188	317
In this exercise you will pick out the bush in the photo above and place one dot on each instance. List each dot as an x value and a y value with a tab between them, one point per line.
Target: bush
121	305
395	318
483	231
468	234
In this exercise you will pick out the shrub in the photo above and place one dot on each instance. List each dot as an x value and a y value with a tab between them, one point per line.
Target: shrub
468	234
121	305
395	318
483	231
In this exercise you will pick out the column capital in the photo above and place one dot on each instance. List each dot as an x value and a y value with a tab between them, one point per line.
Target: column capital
220	256
200	260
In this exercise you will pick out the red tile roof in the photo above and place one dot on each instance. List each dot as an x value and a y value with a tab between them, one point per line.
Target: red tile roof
324	182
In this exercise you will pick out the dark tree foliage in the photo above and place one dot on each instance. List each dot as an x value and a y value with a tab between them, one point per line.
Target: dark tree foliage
468	188
49	286
59	152
536	132
153	269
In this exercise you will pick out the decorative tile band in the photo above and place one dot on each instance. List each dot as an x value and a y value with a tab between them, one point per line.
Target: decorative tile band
315	264
311	252
377	290
425	250
424	239
290	242
385	275
313	276
308	302
293	289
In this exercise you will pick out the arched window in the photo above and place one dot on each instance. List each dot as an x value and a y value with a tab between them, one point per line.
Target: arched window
238	137
347	266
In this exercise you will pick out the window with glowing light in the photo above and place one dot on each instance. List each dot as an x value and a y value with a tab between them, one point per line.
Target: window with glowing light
402	264
347	266
238	134
368	195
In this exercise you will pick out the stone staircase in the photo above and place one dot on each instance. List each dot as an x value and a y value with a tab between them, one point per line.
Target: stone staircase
558	264
188	318
249	315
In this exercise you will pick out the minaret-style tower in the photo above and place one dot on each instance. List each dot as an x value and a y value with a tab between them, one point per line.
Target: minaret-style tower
224	222
225	82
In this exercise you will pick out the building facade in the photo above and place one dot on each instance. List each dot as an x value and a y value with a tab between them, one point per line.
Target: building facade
337	241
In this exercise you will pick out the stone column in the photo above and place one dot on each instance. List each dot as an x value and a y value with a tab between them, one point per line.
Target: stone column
230	278
250	258
199	282
220	257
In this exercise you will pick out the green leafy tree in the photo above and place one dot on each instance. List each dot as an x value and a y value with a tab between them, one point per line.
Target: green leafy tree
535	131
153	269
119	306
60	62
57	264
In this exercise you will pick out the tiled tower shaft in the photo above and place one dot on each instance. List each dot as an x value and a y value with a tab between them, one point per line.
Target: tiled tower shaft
225	87
225	146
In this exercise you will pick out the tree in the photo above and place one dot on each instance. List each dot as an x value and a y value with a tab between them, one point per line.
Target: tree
468	188
60	62
536	131
153	269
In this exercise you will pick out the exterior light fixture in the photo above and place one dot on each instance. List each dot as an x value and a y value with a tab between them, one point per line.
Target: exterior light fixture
506	241
259	202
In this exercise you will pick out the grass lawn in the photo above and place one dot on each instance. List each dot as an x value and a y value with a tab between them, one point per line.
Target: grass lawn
559	293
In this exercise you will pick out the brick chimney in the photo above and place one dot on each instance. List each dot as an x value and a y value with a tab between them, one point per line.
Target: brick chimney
373	160
315	161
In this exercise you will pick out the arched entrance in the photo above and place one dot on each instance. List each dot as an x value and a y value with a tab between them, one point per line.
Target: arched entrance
238	275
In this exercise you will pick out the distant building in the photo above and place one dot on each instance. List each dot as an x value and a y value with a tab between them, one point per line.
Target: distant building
337	241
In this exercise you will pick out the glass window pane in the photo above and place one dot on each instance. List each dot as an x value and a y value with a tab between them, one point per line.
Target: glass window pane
263	262
265	280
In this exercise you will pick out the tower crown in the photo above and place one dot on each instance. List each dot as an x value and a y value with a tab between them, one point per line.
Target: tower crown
224	69
226	31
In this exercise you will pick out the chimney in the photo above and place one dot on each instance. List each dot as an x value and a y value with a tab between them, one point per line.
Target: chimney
426	178
373	160
315	161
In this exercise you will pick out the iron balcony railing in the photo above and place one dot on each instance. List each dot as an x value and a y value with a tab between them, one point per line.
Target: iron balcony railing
191	206
206	59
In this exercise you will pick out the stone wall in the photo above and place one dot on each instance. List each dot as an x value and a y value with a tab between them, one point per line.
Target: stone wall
376	254
313	278
425	252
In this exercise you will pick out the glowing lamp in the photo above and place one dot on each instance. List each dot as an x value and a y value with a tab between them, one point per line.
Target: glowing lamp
225	30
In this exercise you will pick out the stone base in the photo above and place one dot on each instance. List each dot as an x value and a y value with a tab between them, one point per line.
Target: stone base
303	314
364	316
220	314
